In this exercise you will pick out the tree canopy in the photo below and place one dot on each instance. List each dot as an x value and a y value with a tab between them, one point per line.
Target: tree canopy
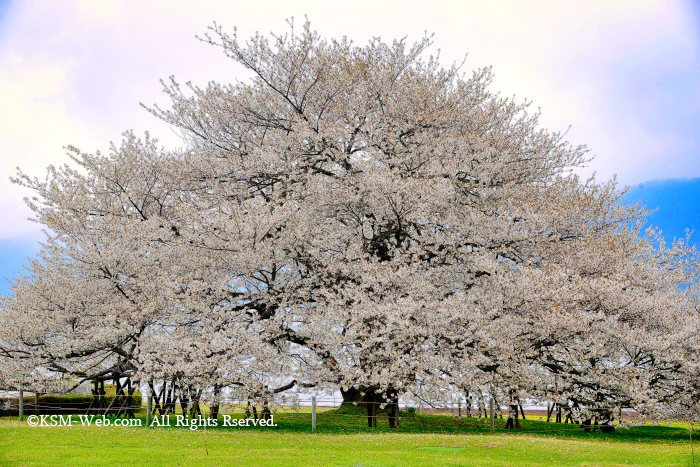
352	217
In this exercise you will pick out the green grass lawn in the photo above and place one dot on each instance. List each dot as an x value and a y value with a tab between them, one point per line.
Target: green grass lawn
343	440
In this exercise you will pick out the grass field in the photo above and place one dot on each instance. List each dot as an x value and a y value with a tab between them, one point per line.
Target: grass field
342	440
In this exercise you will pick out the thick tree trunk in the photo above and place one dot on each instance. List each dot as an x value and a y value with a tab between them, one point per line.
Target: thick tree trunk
351	396
370	400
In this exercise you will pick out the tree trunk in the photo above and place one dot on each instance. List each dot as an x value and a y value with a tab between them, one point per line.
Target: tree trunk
370	401
194	395
513	416
214	408
393	409
184	401
482	406
168	402
522	412
352	395
498	408
266	414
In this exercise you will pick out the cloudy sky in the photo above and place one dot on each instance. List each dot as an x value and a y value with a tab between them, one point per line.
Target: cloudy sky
624	74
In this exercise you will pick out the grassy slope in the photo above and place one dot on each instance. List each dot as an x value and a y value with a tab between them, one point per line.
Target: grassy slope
343	441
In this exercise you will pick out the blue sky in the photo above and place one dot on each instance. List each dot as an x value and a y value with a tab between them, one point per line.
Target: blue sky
677	204
4	5
625	75
13	256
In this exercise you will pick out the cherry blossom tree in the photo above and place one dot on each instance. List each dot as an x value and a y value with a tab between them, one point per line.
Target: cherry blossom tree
354	217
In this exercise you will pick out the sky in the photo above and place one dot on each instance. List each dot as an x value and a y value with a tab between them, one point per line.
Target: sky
624	74
676	205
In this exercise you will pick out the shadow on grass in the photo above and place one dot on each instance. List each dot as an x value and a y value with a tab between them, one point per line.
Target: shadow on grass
351	420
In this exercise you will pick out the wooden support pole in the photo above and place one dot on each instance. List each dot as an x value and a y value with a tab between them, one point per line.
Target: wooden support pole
149	407
313	414
493	413
21	404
